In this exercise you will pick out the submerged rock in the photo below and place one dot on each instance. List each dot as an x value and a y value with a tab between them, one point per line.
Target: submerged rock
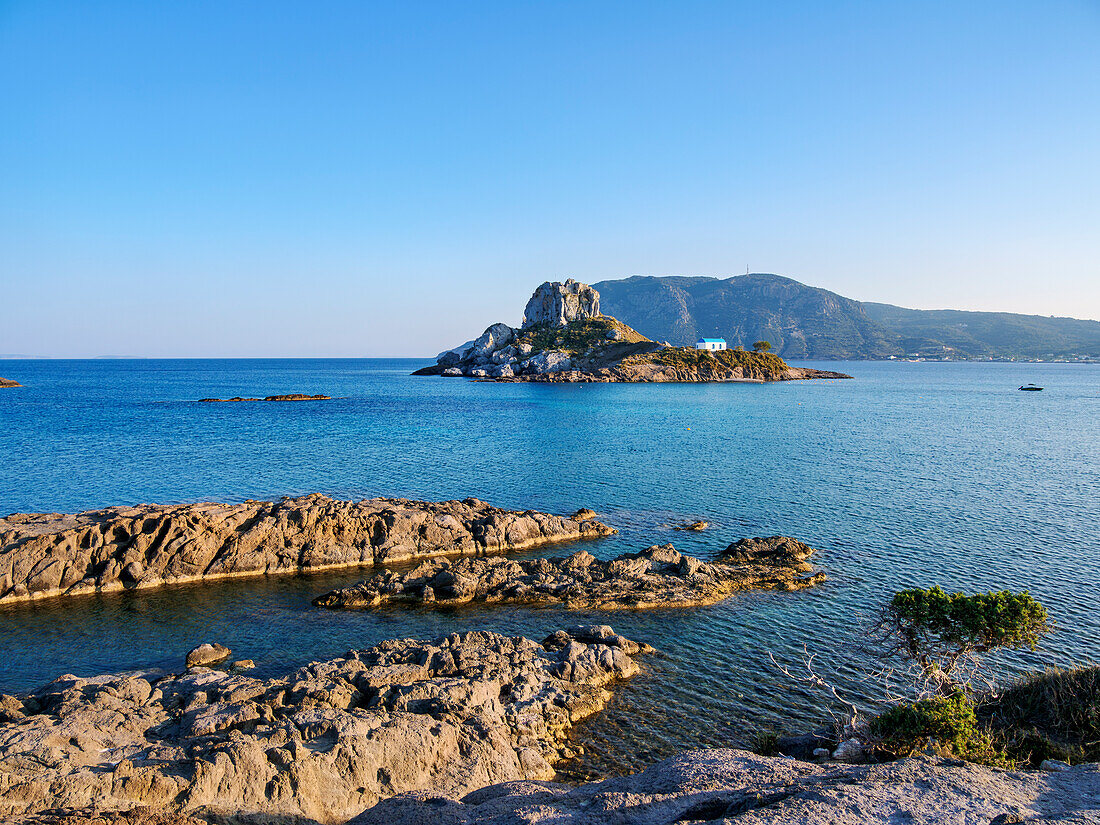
150	545
735	786
323	743
656	577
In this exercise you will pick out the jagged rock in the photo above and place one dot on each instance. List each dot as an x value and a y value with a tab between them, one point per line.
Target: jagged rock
656	577
734	786
584	514
322	743
151	545
206	655
547	362
557	304
696	526
495	337
782	550
452	372
7	382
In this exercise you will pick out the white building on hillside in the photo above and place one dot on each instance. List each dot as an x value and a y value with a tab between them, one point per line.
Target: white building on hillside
710	343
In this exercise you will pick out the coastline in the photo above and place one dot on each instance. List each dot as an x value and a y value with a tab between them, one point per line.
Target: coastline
129	548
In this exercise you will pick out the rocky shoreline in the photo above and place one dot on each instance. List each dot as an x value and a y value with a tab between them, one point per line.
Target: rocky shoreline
319	745
50	555
731	786
7	382
656	577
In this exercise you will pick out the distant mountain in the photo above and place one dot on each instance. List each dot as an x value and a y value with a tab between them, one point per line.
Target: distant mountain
807	322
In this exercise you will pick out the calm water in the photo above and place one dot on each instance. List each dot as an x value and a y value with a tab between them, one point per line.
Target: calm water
913	474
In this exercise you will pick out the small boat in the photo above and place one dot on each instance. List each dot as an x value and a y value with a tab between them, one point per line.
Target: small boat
1031	388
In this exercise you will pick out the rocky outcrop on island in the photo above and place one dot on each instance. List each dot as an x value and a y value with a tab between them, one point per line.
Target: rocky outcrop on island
321	744
7	382
655	577
738	787
294	396
565	339
150	545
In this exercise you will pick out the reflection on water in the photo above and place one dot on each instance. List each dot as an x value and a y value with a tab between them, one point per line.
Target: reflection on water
913	474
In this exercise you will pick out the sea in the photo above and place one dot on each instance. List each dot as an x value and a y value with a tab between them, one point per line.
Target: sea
909	475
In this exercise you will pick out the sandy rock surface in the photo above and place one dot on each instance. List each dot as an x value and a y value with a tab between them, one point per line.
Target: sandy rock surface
150	545
739	787
656	577
323	743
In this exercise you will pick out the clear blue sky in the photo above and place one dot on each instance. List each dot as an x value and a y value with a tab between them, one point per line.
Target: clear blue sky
222	178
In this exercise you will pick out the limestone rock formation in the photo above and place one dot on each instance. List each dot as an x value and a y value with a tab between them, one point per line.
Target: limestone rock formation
738	787
322	743
150	545
655	577
7	382
557	304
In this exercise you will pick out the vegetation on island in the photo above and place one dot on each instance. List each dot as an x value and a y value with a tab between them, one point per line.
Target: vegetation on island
578	336
690	358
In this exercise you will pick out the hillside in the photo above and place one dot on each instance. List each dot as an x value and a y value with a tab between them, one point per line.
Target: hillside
805	322
993	334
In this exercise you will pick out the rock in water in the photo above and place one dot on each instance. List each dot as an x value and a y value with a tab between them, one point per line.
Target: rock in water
655	577
150	545
7	382
206	655
722	785
557	304
323	743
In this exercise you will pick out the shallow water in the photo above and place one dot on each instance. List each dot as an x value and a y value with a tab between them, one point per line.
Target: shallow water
913	474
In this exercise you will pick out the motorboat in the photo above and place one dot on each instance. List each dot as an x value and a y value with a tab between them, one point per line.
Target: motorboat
1031	388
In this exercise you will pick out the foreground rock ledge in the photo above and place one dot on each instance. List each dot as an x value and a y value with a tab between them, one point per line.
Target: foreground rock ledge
323	743
734	786
656	577
151	545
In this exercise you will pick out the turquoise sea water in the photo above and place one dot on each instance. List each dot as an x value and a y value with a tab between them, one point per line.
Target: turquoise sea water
912	474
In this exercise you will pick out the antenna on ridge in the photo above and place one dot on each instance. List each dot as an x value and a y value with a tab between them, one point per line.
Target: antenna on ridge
746	269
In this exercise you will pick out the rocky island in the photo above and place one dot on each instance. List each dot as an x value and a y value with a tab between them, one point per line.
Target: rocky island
50	554
656	577
565	338
294	396
7	382
319	745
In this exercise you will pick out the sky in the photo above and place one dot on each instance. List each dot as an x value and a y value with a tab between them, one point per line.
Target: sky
389	178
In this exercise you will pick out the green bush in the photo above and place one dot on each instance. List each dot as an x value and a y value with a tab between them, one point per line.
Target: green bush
938	631
949	721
